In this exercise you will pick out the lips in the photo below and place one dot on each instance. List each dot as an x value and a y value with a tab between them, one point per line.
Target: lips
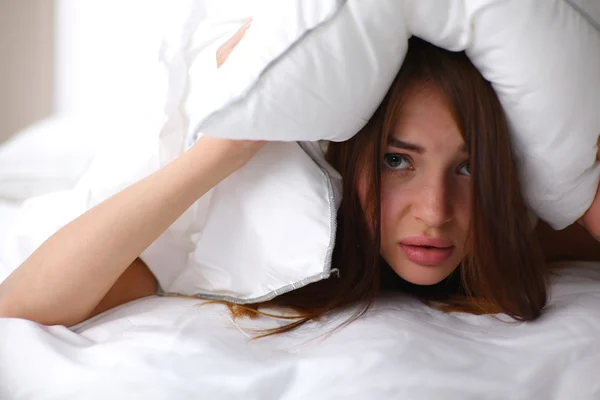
427	250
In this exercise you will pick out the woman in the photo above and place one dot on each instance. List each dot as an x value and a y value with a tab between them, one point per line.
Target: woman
432	206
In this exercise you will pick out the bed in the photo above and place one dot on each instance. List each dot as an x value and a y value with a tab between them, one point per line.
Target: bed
173	348
169	348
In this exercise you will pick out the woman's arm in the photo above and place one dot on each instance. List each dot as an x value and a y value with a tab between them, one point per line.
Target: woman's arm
65	279
91	264
136	282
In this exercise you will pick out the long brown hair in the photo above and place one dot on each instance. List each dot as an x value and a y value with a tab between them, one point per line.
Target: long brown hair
504	270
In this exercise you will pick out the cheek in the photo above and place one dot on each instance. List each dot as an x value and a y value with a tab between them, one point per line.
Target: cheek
463	213
464	208
395	201
392	200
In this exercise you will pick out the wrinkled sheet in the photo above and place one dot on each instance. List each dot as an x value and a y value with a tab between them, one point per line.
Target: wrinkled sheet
171	348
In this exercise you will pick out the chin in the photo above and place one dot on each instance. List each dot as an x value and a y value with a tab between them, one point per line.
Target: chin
423	276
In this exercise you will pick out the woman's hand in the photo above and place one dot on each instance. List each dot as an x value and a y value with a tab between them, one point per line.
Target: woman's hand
226	48
233	152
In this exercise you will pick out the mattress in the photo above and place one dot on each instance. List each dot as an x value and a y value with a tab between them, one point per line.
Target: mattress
171	348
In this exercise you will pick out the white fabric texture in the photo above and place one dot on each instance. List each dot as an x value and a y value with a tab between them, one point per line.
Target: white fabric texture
165	348
9	214
267	229
50	155
543	58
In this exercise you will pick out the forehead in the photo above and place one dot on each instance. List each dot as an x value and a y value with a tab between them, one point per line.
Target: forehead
425	118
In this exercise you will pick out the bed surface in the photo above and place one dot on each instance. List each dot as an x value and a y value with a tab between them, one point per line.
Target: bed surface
9	211
169	348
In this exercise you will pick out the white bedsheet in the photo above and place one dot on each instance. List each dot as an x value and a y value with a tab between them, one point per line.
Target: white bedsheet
9	212
167	348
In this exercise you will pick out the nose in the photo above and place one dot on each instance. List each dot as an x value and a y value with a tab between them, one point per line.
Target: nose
432	205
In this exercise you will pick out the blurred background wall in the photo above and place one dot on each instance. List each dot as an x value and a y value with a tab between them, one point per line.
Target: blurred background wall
27	60
107	56
92	59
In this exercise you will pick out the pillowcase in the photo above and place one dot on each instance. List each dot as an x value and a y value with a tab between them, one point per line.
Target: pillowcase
267	229
320	70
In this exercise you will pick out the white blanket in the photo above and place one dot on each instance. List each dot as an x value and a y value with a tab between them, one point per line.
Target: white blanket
168	348
9	213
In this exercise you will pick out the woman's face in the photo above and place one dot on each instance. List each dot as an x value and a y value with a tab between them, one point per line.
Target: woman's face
425	191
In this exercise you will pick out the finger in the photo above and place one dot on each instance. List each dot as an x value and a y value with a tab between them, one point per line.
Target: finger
238	36
226	48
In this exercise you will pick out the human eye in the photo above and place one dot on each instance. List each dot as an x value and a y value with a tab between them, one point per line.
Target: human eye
465	169
396	162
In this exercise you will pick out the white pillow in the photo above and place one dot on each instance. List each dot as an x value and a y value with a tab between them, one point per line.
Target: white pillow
319	72
267	229
49	156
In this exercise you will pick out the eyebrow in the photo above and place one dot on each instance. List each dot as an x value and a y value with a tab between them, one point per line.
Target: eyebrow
401	144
